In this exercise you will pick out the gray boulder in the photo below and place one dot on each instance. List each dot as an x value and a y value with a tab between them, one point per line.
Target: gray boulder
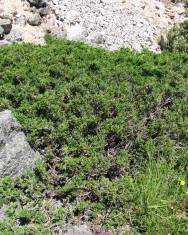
16	156
6	24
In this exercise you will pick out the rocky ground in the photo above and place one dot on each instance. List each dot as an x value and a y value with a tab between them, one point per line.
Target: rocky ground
111	24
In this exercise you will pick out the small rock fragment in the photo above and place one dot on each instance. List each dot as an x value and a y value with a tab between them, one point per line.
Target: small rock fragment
76	32
34	20
44	11
77	230
2	211
163	42
20	20
96	38
14	36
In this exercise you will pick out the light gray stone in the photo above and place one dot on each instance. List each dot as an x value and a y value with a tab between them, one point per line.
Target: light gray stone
14	36
16	156
76	32
77	230
44	11
20	20
34	20
2	211
96	38
4	42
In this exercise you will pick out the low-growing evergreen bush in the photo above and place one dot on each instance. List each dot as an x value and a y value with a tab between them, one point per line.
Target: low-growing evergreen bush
112	127
178	38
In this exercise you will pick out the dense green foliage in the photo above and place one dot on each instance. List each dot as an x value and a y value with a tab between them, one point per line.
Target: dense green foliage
113	129
178	38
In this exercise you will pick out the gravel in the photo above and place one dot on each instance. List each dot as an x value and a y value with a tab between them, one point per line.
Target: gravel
111	24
